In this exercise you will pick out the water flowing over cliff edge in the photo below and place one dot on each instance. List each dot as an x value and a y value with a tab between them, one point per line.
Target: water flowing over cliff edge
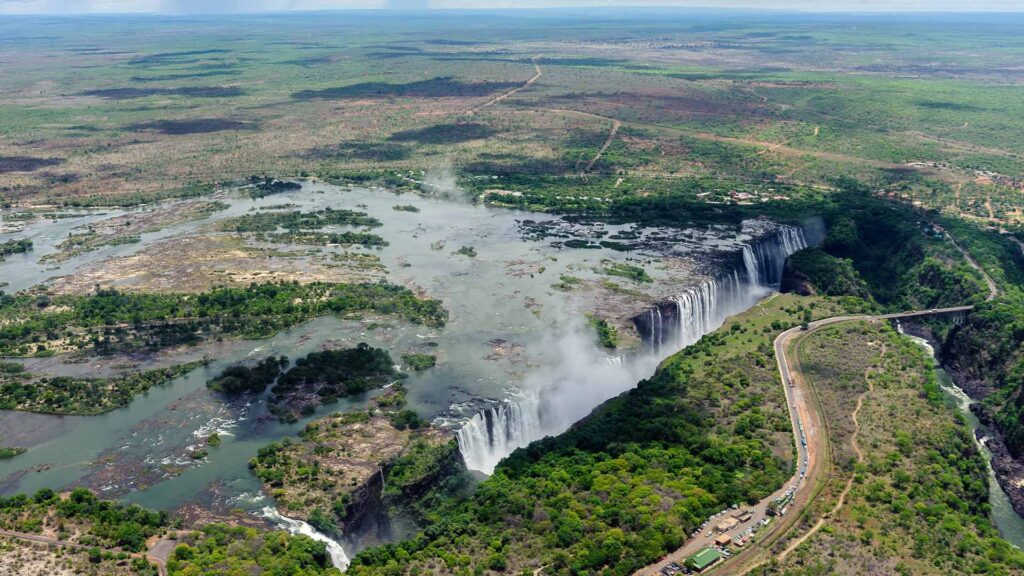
554	399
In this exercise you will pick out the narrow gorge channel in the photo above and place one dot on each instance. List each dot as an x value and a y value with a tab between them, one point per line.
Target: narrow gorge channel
1009	523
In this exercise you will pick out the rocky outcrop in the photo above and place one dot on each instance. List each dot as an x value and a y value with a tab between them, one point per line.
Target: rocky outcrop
794	281
352	474
1009	471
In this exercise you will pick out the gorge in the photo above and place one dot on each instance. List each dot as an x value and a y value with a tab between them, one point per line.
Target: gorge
582	380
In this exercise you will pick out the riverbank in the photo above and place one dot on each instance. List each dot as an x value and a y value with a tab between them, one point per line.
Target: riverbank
1006	486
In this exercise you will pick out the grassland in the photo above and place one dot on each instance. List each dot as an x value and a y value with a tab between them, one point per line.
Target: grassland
716	107
909	490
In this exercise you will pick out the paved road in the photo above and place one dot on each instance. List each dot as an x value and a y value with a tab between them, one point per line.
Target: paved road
161	562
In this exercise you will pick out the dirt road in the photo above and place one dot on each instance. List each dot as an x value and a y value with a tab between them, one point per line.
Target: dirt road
160	560
537	74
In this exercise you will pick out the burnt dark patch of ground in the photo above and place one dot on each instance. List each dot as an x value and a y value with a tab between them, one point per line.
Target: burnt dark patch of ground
450	42
488	164
399	48
184	76
191	126
445	133
312	61
592	62
26	163
375	151
433	88
166	57
952	106
191	91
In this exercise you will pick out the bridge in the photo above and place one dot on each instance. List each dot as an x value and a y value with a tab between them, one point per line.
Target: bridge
957	312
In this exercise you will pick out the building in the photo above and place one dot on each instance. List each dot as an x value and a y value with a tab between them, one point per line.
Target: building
726	525
723	540
703	559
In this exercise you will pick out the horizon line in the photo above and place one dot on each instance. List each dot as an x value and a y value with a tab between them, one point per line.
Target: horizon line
605	7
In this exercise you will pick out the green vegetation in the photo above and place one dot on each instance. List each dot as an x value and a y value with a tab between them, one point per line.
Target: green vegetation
100	523
8	453
467	251
263	186
112	529
109	321
324	238
14	246
296	220
419	362
221	549
405	208
635	273
341	459
325	376
884	253
629	482
243	379
567	283
330	375
988	356
918	503
81	396
607	334
829	276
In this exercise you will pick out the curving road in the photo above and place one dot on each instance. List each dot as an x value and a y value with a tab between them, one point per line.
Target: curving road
812	444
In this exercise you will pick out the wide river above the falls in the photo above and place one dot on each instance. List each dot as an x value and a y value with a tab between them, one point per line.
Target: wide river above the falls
517	325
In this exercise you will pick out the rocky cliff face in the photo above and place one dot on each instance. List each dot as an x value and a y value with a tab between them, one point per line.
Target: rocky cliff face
984	359
794	281
360	476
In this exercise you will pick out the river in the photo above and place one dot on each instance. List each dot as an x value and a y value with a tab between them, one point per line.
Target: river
512	336
1006	519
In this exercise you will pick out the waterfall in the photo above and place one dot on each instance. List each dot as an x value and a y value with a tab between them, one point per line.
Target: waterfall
684	318
338	556
561	395
494	433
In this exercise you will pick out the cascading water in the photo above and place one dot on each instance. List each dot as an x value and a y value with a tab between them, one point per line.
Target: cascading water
338	556
685	318
541	410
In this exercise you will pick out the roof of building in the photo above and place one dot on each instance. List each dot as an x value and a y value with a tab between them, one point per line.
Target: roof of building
704	557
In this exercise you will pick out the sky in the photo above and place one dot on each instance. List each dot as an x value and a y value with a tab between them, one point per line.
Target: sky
239	6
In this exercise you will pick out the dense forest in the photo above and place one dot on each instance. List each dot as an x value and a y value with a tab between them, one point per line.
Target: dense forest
20	390
318	378
323	377
112	530
296	220
14	246
628	483
110	321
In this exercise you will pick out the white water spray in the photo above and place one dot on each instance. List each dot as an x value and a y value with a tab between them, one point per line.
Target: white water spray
583	378
338	556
